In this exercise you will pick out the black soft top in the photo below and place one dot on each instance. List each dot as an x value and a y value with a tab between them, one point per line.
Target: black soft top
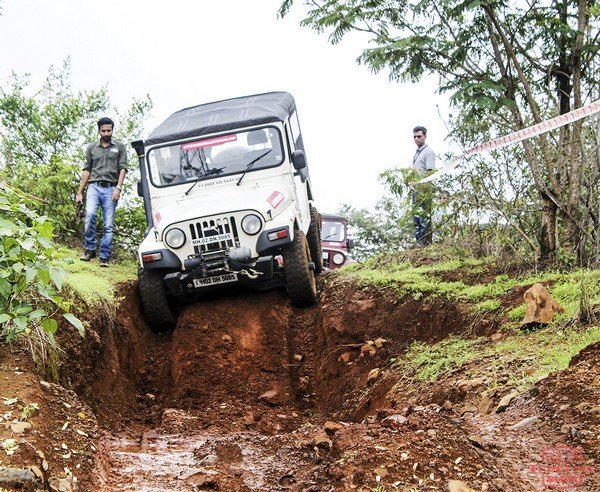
219	116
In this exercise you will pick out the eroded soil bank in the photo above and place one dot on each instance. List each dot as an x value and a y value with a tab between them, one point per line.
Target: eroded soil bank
249	394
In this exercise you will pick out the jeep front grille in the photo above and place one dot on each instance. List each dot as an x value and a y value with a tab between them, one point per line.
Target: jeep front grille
215	227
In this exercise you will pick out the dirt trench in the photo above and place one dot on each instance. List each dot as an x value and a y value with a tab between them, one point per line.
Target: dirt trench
223	401
249	394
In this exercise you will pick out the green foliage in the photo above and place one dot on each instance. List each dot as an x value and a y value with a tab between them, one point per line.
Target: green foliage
428	362
577	292
417	281
383	229
30	277
29	409
130	223
544	351
390	227
486	306
42	147
550	350
506	65
517	313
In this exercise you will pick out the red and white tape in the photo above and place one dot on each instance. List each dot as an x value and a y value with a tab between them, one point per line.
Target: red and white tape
531	131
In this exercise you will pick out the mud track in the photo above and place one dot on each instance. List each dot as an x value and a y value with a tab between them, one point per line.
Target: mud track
250	394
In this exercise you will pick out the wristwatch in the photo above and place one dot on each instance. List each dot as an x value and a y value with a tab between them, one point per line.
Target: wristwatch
118	187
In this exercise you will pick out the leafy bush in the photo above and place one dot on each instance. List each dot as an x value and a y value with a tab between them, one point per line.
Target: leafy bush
30	277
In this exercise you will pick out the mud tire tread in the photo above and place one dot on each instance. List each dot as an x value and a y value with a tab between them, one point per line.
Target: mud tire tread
299	278
158	310
314	240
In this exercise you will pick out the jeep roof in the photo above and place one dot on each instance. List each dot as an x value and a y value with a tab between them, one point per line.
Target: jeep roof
228	114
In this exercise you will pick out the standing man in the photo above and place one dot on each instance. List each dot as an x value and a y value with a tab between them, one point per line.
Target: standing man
104	169
423	163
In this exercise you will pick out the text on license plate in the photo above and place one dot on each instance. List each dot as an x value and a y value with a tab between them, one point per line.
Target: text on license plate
212	239
218	279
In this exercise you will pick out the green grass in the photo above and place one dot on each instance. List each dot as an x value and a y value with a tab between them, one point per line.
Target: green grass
428	362
547	350
399	274
517	314
93	283
487	306
569	290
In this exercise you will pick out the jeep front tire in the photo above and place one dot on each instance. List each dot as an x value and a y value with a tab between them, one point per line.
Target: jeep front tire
160	312
300	280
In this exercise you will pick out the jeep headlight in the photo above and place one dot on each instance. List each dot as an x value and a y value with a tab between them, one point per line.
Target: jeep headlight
251	224
175	238
338	258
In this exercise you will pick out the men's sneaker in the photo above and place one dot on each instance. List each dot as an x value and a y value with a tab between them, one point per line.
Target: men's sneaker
103	263
88	255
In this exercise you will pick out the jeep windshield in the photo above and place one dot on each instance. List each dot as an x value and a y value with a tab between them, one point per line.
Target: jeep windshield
333	231
215	156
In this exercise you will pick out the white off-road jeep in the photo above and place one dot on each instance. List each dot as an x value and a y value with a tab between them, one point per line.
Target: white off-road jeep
228	201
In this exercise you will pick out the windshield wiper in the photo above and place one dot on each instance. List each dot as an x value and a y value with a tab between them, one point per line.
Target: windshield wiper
210	172
250	164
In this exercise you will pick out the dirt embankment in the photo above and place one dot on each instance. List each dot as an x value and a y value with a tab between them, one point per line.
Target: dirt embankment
249	394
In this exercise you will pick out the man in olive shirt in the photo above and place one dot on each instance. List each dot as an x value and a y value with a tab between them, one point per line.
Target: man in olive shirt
104	171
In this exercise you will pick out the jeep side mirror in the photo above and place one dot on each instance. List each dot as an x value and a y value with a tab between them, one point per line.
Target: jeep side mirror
350	243
298	159
140	191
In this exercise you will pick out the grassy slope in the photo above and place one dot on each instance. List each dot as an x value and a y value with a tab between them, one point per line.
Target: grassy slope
530	355
93	283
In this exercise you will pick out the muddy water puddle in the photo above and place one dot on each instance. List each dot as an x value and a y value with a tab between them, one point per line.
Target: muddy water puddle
155	462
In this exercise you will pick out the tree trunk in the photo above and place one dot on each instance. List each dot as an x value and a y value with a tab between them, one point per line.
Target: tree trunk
548	230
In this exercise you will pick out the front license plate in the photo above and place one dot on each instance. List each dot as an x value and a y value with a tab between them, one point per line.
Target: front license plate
218	279
212	239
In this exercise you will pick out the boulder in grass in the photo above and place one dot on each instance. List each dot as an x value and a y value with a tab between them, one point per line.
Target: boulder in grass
540	306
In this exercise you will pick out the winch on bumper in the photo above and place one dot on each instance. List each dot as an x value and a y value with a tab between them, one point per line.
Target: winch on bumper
215	268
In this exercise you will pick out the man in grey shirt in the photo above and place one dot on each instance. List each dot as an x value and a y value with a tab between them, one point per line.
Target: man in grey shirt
423	163
104	169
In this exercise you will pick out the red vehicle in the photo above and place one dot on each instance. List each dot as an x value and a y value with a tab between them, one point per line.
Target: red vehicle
334	238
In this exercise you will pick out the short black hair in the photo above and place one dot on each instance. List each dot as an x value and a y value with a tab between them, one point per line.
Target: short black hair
420	129
105	121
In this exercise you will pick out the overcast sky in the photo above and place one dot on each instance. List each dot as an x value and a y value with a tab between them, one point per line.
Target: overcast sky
187	52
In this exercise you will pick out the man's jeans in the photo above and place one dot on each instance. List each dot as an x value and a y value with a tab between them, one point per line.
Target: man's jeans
422	219
98	196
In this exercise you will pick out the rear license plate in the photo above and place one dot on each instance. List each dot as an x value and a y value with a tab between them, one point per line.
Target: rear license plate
217	279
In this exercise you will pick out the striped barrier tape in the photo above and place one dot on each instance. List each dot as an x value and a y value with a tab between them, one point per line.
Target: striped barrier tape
525	133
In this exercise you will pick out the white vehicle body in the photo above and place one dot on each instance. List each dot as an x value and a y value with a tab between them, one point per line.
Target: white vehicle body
226	191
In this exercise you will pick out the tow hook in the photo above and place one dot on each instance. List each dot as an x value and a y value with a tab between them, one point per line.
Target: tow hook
250	273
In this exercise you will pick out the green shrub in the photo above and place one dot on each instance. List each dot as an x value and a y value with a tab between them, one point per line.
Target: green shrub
30	277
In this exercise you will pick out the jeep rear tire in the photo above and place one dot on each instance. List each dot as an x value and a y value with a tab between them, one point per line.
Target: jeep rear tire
161	312
314	240
300	280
